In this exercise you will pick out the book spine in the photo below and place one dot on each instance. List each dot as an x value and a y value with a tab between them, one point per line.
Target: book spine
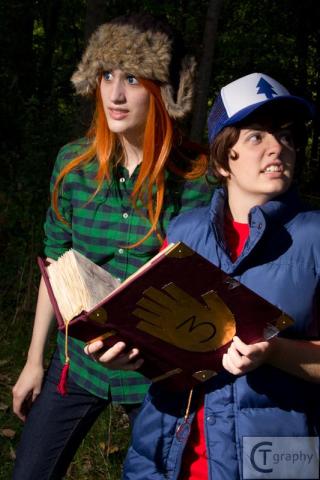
44	273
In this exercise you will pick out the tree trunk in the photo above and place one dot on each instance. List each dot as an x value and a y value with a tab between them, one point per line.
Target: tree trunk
205	69
50	18
17	79
20	16
95	16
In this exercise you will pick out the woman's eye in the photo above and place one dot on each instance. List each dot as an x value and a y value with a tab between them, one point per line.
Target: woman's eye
107	75
132	80
254	137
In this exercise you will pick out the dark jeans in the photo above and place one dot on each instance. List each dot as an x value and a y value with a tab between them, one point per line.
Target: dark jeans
55	427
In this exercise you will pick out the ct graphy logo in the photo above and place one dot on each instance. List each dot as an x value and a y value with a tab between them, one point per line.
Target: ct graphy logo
260	448
281	457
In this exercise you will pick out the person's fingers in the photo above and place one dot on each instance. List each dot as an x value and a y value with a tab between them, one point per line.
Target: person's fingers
17	410
17	406
242	347
137	364
227	365
225	361
129	365
35	394
234	362
234	355
252	351
116	355
132	354
93	347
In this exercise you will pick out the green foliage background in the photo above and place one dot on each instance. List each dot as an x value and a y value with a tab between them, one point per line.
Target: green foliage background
40	44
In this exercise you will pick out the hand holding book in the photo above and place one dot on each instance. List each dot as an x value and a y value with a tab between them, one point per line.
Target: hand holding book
117	357
242	358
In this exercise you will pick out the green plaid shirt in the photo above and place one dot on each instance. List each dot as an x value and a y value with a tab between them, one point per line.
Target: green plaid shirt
99	228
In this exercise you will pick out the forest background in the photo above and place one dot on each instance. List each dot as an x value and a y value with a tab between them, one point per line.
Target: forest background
41	42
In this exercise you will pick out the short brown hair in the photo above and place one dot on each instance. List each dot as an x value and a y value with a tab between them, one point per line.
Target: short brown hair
220	150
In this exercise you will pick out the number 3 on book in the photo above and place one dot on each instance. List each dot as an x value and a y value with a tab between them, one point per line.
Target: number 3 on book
177	318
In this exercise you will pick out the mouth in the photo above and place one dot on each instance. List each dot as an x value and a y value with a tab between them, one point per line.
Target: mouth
117	113
273	168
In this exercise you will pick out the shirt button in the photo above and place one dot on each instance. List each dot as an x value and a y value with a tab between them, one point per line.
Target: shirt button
125	215
122	180
120	251
211	420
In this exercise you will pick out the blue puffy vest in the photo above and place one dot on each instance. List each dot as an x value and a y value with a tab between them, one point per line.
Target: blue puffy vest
281	262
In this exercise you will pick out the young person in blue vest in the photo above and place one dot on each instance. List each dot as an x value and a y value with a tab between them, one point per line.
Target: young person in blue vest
257	231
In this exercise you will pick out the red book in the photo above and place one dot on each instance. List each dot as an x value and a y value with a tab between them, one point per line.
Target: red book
181	311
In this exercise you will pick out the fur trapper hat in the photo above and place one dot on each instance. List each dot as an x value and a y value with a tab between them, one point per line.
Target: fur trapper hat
146	48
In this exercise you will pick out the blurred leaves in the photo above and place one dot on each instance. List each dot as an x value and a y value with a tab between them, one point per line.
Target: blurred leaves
7	433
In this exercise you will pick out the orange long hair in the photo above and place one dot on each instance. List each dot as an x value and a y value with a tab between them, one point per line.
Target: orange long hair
160	140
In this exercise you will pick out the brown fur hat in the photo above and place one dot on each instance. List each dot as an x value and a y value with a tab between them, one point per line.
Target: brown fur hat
144	47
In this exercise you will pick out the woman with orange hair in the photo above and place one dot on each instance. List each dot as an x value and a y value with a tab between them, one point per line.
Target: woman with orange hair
113	194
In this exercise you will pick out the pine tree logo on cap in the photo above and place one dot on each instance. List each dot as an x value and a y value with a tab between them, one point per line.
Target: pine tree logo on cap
265	88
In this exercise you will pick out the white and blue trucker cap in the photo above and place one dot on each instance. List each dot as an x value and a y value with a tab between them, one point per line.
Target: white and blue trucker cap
240	98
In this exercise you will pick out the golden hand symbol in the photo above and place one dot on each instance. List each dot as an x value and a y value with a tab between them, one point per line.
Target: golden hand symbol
179	319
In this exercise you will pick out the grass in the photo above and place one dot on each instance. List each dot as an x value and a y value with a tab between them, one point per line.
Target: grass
102	452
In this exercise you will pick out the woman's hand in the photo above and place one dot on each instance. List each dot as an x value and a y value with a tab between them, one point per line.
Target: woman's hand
242	358
27	388
29	383
116	357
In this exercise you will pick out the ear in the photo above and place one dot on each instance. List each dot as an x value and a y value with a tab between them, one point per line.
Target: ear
224	173
232	155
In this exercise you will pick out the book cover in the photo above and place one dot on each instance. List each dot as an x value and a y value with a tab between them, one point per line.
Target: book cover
182	312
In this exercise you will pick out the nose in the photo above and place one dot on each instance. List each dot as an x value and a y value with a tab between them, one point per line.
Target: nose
118	94
274	145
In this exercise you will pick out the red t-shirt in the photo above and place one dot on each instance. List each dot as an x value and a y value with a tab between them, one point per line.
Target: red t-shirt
194	461
236	235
